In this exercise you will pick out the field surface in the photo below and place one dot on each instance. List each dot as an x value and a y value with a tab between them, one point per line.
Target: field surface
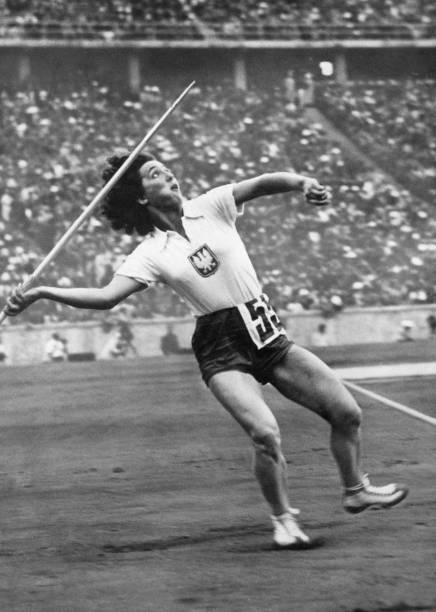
126	487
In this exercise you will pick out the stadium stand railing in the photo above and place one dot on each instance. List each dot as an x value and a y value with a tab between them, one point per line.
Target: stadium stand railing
104	31
27	29
300	31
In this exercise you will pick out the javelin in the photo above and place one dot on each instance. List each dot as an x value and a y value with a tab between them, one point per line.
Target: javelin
101	194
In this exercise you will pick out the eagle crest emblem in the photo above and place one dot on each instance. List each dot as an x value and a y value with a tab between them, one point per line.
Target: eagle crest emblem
204	261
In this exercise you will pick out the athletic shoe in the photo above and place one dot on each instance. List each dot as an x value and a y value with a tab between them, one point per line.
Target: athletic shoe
367	496
288	535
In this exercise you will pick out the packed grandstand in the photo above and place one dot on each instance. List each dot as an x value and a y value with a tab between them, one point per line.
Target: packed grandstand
376	243
130	19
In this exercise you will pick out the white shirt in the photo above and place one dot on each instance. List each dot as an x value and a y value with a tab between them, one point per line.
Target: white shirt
212	270
55	349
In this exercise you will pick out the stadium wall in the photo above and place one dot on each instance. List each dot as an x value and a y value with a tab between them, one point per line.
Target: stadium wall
86	340
127	68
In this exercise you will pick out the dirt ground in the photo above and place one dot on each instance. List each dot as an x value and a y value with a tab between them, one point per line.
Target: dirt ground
125	487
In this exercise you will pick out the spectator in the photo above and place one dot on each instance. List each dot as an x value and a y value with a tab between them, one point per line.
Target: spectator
169	343
3	354
320	336
290	87
405	334
431	321
55	349
119	346
306	90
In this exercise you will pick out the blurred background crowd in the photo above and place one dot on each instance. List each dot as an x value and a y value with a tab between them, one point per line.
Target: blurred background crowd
202	18
375	245
388	116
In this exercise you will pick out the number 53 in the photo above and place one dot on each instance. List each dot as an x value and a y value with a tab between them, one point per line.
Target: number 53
265	319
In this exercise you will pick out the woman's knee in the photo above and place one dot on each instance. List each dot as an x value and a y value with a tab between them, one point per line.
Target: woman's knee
346	417
267	440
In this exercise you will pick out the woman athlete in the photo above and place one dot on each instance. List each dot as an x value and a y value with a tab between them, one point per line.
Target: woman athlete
239	342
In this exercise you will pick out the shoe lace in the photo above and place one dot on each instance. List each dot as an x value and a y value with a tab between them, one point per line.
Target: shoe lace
291	525
367	487
384	490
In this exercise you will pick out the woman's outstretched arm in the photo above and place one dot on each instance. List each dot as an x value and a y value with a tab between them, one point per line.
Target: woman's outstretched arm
280	182
98	298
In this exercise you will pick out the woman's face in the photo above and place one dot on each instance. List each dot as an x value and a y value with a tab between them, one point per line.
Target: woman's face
161	187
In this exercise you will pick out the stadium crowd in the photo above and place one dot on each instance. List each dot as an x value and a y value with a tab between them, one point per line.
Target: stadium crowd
227	18
104	19
394	122
80	11
374	245
309	18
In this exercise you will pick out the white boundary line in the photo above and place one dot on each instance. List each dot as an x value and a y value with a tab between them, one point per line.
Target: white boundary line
384	400
394	370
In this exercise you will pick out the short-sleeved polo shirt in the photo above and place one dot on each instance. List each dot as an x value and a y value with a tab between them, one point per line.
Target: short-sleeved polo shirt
212	270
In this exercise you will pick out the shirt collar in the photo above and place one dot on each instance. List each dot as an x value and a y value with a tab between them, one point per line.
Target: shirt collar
161	237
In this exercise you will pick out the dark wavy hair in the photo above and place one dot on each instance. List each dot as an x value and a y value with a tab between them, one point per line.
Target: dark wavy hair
121	205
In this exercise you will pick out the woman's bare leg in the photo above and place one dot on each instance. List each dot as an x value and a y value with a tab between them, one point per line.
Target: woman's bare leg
307	380
241	395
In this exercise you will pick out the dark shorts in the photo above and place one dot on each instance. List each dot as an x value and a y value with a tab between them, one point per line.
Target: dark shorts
249	338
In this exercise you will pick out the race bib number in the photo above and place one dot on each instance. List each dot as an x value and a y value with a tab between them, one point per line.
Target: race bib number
261	321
